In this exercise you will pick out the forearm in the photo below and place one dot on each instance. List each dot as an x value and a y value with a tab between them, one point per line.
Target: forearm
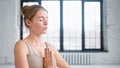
51	67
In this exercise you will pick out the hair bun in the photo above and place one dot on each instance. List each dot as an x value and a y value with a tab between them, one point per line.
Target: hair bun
24	10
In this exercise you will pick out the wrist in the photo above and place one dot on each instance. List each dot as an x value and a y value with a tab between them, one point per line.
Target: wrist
49	67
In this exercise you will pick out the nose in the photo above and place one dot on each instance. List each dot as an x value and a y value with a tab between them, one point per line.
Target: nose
46	22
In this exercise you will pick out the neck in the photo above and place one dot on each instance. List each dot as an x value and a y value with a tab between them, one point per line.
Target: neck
35	39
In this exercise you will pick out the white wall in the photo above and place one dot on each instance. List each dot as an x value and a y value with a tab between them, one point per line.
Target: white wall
9	32
112	33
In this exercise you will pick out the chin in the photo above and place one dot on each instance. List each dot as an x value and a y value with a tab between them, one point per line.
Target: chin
44	32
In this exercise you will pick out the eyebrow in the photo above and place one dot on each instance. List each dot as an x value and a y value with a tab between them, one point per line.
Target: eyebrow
41	17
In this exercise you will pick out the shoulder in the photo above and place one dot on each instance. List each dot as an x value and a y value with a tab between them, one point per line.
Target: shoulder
19	44
20	55
20	47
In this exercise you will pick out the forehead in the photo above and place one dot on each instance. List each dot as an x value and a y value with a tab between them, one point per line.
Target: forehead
41	13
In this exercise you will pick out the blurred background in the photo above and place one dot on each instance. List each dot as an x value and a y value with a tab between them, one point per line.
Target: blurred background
85	32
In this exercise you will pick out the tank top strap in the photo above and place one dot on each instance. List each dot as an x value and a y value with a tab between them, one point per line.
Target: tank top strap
28	46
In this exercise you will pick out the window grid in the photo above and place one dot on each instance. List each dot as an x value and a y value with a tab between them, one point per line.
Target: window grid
92	25
72	25
53	22
62	35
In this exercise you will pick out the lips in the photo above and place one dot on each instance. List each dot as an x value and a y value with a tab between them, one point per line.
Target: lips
45	27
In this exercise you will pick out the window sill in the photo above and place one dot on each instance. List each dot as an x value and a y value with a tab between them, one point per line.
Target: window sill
83	51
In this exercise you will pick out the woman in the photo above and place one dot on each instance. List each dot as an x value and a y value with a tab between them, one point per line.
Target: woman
32	51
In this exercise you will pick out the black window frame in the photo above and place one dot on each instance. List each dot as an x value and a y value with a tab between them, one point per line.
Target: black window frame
61	25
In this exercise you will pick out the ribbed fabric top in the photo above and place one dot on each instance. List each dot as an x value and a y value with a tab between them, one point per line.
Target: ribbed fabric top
33	60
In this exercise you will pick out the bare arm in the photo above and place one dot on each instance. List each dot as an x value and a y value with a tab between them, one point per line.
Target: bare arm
61	63
20	55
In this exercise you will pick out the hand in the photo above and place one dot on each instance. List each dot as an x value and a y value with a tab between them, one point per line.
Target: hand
48	59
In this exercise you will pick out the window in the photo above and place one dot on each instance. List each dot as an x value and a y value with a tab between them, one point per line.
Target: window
53	34
92	25
73	25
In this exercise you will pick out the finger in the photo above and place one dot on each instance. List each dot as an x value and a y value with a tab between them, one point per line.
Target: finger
46	52
51	55
46	44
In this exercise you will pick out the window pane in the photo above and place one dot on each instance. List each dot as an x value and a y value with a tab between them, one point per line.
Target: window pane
92	25
30	3
25	29
53	33
72	25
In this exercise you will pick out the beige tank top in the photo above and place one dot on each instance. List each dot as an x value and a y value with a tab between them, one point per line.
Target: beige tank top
33	60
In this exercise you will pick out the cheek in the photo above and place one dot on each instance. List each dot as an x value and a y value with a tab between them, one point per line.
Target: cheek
38	25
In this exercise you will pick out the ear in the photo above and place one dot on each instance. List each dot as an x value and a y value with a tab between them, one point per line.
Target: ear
28	22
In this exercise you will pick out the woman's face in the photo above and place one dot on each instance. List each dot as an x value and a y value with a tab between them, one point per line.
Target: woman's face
39	22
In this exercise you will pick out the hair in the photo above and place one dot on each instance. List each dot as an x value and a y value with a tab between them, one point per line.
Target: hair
28	12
